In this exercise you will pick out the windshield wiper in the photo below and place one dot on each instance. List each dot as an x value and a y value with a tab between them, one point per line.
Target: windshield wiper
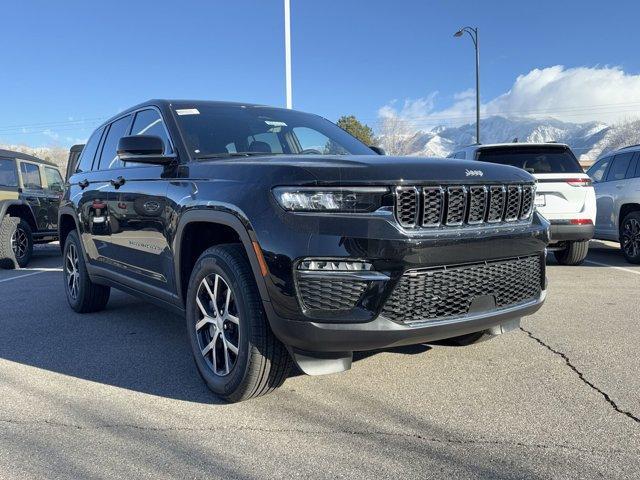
236	154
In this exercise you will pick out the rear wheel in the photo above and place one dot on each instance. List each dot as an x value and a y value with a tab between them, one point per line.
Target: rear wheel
83	295
574	253
630	237
235	351
16	242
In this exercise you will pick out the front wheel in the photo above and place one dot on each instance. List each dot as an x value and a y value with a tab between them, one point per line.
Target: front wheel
630	237
573	253
234	349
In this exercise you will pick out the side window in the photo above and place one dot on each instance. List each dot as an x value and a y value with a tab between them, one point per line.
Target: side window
264	142
619	167
8	174
108	157
89	152
634	167
312	140
54	179
597	170
30	176
149	122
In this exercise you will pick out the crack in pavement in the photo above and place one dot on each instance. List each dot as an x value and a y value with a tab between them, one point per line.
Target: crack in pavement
364	433
566	359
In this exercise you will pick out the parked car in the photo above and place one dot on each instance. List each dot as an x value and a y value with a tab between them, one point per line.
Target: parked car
30	192
72	163
281	237
616	177
564	193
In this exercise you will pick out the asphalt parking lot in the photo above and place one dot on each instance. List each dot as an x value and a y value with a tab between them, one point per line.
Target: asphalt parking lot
116	394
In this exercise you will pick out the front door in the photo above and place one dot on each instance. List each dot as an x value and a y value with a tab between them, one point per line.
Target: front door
53	192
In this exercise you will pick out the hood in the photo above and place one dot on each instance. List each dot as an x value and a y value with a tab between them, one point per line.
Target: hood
379	169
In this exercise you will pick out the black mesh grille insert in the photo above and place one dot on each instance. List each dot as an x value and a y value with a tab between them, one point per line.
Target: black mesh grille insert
527	201
477	204
456	205
433	206
513	203
407	206
330	294
443	292
497	196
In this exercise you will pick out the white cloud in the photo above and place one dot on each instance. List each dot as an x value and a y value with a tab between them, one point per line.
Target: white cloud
581	94
51	134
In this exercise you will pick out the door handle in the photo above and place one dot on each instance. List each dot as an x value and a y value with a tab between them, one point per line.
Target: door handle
619	187
118	182
83	184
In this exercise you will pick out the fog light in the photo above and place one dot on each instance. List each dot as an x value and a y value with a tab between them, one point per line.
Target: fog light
324	265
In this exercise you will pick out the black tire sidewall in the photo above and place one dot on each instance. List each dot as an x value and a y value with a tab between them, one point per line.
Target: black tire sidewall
76	303
209	264
24	260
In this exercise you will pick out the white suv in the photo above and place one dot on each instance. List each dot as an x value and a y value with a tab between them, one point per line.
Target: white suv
616	177
564	195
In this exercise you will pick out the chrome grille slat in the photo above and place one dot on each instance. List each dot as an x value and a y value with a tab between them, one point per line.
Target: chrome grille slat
447	206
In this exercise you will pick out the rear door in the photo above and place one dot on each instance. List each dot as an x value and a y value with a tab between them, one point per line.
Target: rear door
598	173
564	191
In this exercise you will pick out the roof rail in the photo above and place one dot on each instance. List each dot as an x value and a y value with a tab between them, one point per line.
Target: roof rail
630	146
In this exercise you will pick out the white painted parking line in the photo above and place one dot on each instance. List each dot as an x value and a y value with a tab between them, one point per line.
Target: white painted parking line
32	271
636	272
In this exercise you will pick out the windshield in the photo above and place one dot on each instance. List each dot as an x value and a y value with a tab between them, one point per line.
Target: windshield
533	159
226	130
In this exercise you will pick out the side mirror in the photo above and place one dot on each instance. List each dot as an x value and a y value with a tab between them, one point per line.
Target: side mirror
147	149
378	150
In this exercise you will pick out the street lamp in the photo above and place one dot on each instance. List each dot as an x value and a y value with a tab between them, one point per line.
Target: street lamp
473	33
287	53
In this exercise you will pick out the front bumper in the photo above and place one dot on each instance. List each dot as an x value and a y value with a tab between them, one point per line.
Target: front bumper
563	230
385	333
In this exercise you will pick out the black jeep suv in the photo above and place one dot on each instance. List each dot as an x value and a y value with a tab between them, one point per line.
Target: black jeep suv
30	191
282	238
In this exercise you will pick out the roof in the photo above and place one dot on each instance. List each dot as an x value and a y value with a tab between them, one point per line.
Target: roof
518	144
24	156
166	103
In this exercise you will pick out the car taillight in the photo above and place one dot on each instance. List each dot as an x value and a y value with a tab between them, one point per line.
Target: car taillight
579	182
581	221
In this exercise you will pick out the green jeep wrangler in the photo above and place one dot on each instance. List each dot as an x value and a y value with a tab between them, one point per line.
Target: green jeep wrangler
30	191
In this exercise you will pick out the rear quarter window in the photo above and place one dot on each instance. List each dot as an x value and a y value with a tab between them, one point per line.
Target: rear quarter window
8	174
533	159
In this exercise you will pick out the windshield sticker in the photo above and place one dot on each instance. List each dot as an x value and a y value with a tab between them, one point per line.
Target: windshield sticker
187	111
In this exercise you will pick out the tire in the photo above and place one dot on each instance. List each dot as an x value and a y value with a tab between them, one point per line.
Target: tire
83	295
573	254
630	237
238	322
16	242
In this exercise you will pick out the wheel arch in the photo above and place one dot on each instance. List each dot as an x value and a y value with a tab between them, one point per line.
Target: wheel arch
18	208
233	230
626	209
67	222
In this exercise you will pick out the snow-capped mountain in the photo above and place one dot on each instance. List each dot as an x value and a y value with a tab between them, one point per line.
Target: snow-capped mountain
588	140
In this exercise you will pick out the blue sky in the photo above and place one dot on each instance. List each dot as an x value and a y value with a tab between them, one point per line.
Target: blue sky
67	64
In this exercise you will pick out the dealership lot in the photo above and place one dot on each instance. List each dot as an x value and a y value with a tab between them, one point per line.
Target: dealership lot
116	394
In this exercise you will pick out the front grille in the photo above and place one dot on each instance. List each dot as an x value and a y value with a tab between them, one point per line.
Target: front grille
449	291
330	294
462	205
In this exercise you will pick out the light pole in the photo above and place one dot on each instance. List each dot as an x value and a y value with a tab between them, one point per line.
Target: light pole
473	33
287	52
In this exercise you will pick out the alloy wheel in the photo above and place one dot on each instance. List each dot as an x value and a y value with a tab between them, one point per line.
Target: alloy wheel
217	324
71	271
631	237
19	243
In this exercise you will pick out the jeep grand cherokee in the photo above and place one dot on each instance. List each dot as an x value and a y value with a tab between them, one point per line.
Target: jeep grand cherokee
282	238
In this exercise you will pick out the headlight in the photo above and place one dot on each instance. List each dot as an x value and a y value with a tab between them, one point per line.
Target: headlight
315	199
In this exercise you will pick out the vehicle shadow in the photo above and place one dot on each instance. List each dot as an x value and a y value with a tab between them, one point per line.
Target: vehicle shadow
131	344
